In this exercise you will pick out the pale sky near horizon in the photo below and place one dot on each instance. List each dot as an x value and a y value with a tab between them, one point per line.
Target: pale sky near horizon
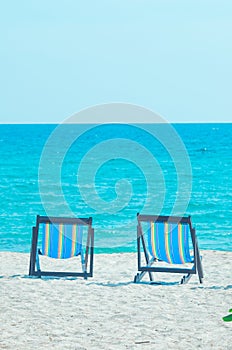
171	56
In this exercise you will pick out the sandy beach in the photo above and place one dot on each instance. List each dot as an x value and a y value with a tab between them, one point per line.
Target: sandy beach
109	311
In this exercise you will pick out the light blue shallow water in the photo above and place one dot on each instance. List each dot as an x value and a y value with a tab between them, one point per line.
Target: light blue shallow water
81	176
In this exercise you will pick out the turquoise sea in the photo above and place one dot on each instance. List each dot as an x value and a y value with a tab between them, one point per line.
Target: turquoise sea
111	172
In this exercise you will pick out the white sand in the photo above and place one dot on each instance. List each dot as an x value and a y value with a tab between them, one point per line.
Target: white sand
109	311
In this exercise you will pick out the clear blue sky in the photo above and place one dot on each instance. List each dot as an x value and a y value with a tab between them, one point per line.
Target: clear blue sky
60	56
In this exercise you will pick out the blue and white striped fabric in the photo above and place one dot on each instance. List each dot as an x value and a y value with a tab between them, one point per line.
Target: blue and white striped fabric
61	241
169	242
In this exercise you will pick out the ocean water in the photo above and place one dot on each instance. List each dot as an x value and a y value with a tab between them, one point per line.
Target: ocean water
112	172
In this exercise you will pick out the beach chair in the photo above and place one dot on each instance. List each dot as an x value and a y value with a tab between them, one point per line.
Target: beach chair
163	245
62	238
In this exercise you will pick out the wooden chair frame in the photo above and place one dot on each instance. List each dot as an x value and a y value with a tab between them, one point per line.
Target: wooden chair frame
34	267
150	267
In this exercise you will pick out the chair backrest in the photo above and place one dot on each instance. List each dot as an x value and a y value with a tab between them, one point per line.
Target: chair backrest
61	241
61	237
168	238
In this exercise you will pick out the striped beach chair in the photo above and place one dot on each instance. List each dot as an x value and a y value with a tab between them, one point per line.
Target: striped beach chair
62	238
165	242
